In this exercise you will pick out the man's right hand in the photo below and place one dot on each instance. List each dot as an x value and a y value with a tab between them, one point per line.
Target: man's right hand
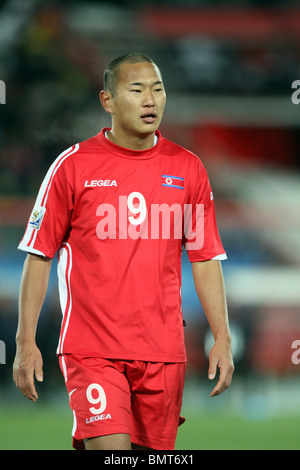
27	364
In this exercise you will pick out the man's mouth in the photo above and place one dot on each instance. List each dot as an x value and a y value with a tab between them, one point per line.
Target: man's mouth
149	117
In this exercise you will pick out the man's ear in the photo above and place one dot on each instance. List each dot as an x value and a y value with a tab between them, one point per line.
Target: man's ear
105	99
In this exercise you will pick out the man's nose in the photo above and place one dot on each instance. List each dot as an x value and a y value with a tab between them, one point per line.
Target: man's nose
148	99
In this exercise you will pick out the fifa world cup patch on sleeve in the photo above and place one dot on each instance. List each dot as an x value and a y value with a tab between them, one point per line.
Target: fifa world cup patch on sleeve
37	217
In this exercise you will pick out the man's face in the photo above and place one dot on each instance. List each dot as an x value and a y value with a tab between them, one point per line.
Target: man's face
138	104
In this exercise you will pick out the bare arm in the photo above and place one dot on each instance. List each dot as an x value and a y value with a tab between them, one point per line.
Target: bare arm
28	361
209	284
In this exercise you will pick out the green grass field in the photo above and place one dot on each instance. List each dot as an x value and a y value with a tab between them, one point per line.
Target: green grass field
225	432
42	428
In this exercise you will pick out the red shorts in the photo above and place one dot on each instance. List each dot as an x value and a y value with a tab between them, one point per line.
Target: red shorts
110	396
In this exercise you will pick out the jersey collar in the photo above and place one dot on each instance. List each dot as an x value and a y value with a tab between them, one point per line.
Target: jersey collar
128	153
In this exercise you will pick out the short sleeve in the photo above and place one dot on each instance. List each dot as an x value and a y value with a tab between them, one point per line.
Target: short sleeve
50	219
202	240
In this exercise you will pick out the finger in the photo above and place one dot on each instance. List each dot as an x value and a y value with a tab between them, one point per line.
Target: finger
212	369
25	383
224	381
30	391
39	371
219	388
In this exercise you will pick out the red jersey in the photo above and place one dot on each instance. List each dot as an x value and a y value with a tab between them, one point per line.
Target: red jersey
118	218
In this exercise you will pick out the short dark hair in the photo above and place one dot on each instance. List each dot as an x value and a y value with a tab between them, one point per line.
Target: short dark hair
110	76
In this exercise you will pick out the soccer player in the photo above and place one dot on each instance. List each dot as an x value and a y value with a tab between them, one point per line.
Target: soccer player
117	209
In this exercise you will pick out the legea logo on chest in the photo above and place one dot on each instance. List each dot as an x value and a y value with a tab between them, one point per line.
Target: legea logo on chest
98	183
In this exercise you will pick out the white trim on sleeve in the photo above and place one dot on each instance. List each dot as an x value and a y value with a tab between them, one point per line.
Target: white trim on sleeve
220	257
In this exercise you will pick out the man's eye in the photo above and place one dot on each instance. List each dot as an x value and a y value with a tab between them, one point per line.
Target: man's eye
137	91
158	89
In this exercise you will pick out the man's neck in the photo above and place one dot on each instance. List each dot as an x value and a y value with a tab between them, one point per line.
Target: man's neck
132	142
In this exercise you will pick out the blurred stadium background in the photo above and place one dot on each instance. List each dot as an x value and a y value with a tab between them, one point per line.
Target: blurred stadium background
228	68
